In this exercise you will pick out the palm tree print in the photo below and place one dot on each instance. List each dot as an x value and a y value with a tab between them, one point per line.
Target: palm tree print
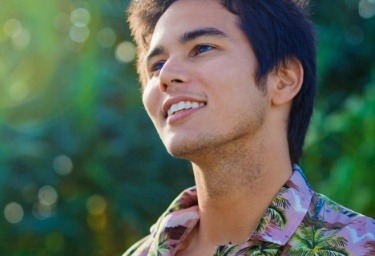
264	249
261	249
317	241
275	213
321	201
223	250
162	248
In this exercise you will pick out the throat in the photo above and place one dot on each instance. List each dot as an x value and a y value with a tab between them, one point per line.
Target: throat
233	199
224	175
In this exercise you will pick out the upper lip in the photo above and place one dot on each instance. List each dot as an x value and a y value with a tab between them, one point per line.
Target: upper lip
173	100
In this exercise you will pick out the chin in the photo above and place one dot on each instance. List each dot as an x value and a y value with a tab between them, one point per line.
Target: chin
184	150
179	152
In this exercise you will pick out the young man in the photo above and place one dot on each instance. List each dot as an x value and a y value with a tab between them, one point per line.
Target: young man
229	86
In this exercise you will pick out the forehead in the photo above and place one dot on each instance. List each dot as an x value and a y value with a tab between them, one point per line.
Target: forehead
185	15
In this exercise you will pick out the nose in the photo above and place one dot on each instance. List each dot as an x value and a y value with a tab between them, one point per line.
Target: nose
172	74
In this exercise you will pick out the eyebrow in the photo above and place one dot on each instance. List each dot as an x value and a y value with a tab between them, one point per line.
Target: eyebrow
156	51
201	32
187	37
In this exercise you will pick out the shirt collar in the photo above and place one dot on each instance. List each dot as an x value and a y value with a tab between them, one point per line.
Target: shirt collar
287	210
278	224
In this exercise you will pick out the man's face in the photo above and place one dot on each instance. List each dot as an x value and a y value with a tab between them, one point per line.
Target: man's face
201	94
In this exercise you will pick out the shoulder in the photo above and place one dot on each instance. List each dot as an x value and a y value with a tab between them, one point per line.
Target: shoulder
326	210
337	227
170	226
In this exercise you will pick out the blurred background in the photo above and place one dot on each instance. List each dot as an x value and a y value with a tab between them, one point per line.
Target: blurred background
82	171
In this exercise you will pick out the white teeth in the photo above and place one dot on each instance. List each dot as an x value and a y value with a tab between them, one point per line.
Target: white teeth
181	105
184	105
174	108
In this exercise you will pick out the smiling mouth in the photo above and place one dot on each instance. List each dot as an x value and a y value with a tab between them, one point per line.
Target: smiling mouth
184	105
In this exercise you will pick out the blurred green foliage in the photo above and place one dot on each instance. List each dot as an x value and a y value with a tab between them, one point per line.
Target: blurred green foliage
82	170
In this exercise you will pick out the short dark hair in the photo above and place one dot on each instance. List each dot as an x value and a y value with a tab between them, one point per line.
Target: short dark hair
278	31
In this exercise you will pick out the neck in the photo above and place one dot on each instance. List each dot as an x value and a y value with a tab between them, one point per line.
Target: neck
235	186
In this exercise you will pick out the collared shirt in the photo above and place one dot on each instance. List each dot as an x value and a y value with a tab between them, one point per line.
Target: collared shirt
299	221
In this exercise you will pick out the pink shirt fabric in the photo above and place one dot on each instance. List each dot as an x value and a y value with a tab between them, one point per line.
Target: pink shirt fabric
299	221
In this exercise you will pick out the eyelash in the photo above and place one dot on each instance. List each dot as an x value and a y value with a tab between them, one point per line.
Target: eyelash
196	48
154	68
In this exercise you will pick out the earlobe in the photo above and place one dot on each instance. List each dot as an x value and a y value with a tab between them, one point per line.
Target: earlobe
288	83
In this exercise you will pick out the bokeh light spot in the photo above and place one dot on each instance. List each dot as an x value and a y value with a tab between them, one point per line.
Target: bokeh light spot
125	52
79	34
13	212
21	40
106	37
47	195
12	28
62	165
80	17
96	205
366	8
41	211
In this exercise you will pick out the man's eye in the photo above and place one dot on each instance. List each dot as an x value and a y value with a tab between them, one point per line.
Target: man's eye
202	48
157	66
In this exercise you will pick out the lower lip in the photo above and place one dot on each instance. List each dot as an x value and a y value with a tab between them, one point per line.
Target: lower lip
182	115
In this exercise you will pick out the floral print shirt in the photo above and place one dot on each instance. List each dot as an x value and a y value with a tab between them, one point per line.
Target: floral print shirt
299	221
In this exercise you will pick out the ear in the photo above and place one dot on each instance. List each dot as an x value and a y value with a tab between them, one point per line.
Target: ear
288	82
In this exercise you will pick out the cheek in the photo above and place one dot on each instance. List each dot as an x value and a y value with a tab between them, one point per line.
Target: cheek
230	85
149	100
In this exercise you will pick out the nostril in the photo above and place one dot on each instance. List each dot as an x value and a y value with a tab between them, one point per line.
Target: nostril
177	81
163	87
